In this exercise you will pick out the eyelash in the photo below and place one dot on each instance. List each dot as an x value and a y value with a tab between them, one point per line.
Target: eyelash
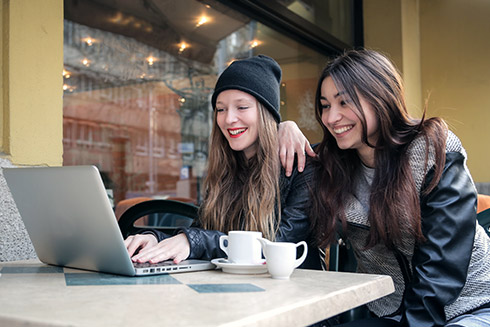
239	108
327	106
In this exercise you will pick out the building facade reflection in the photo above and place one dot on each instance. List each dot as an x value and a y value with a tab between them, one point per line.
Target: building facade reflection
137	88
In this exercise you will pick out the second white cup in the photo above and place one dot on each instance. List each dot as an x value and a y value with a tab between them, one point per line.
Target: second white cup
281	257
243	247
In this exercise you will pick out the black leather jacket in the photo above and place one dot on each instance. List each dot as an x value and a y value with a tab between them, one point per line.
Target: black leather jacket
294	225
441	265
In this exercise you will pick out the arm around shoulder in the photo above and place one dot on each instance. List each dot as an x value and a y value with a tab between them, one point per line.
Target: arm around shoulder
293	143
295	203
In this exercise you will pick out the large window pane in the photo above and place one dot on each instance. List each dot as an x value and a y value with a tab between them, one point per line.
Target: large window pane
137	84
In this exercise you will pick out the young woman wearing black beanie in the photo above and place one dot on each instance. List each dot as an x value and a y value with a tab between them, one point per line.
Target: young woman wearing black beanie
245	187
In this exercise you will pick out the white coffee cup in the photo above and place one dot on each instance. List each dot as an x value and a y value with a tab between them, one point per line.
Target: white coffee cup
281	257
243	247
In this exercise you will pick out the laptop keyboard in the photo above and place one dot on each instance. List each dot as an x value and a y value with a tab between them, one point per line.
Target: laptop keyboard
153	265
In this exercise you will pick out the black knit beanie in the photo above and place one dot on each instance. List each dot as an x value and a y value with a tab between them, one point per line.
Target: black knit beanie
259	76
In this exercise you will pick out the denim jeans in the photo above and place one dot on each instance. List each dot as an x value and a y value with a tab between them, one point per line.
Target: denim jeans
477	318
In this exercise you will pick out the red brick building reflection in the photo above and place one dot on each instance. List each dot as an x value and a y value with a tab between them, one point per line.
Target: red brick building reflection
132	133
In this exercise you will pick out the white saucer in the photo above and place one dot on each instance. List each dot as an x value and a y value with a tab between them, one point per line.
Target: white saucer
238	268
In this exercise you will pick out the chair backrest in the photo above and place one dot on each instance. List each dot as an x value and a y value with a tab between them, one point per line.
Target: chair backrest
182	199
125	204
164	215
483	202
484	220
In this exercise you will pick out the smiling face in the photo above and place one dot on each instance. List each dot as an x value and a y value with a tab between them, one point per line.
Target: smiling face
340	118
237	116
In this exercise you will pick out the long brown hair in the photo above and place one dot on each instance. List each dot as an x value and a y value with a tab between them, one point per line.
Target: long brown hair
241	194
394	197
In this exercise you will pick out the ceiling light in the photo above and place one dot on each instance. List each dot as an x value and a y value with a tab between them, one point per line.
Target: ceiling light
182	46
89	41
255	43
118	17
68	88
151	60
202	20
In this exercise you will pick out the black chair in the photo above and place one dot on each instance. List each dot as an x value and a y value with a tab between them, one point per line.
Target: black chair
483	218
342	259
164	215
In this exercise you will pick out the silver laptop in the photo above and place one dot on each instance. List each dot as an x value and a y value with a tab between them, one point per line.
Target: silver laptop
70	221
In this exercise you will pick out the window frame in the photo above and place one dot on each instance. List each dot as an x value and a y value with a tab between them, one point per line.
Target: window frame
279	18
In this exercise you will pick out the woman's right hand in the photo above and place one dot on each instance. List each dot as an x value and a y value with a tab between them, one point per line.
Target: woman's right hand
293	142
176	247
139	242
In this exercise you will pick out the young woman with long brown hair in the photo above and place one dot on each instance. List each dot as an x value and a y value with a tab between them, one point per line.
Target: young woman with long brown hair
245	188
397	189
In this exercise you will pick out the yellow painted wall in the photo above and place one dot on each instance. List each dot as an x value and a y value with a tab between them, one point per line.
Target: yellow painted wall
32	65
382	28
455	59
2	74
445	51
392	27
411	69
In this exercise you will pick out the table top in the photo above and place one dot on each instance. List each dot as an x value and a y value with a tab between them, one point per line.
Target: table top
35	294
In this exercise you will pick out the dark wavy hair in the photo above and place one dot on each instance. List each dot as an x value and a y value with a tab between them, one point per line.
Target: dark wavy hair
394	198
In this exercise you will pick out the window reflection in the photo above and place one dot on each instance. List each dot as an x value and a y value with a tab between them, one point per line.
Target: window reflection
137	88
333	16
